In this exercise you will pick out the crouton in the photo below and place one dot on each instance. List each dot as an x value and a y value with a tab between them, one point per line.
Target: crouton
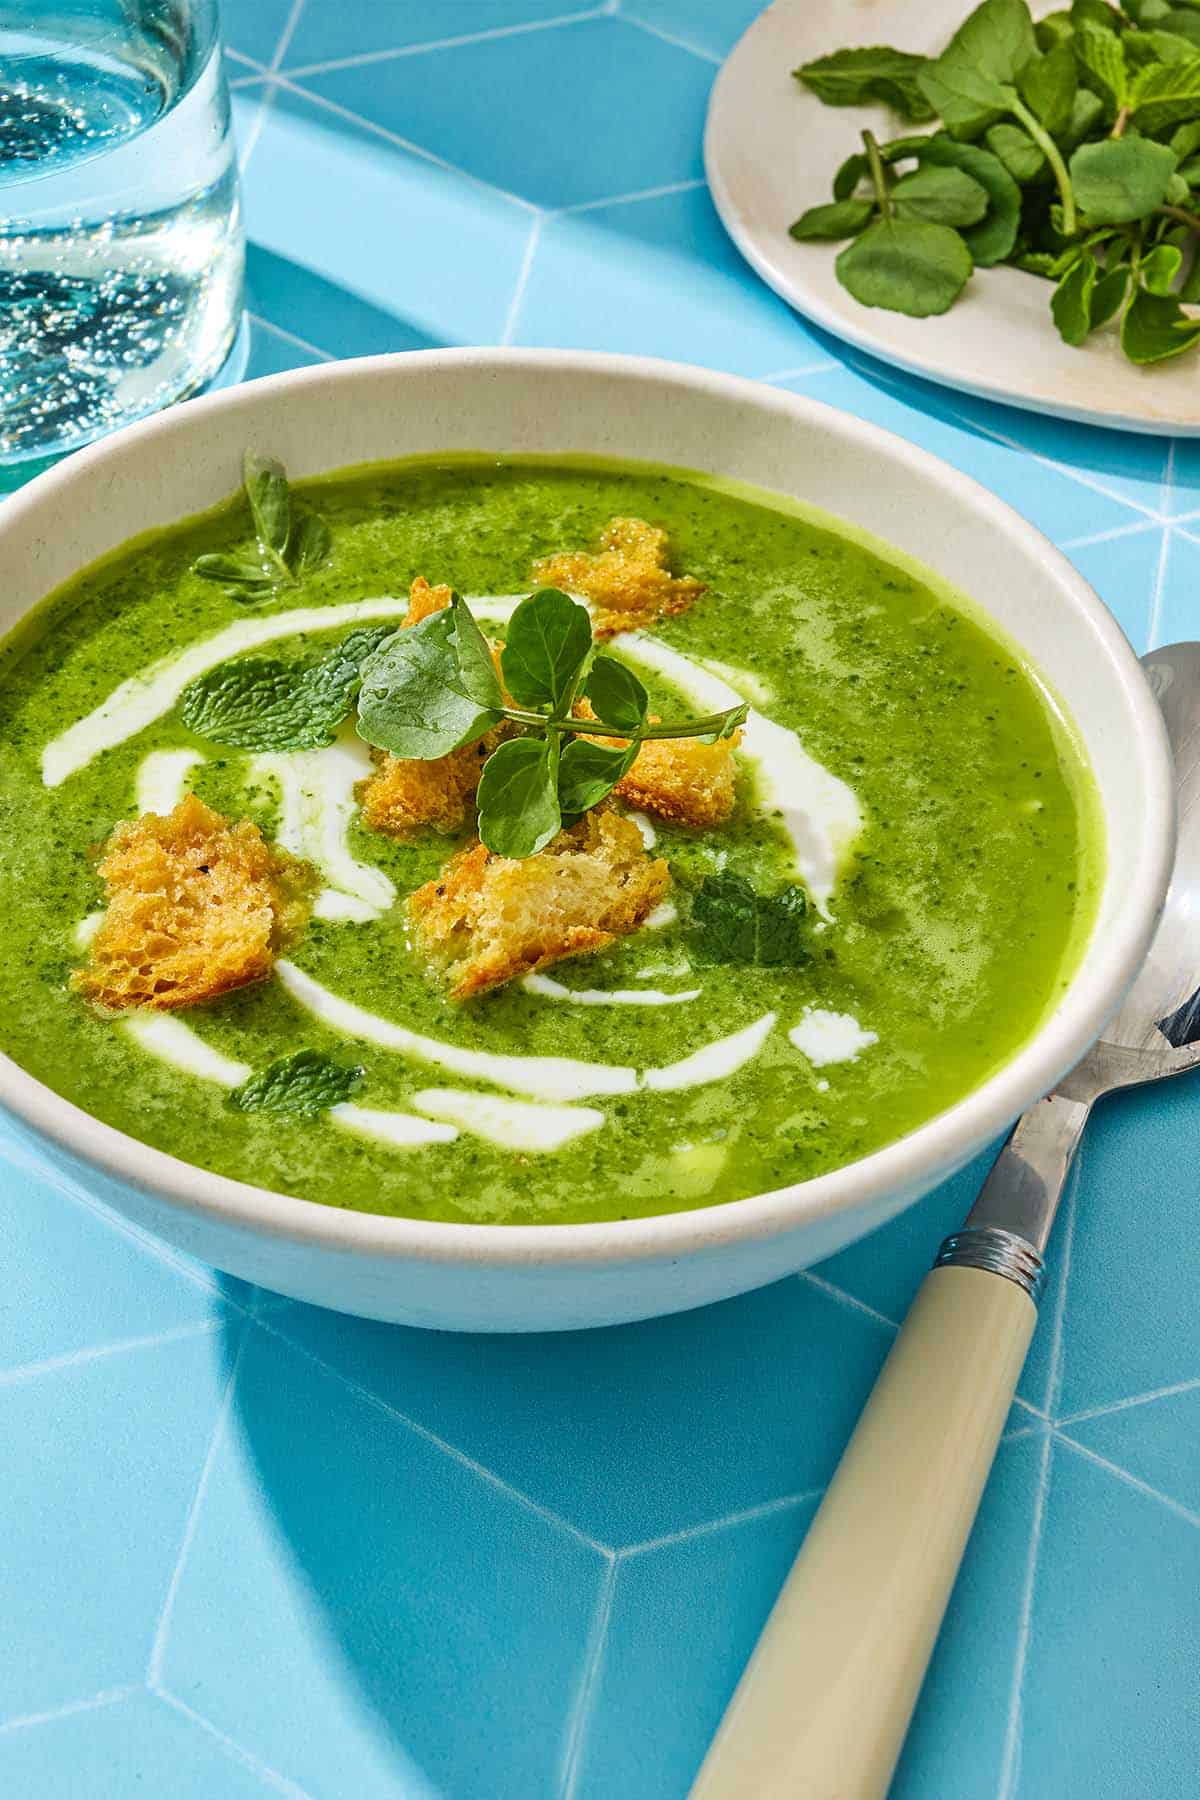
682	780
628	579
487	919
196	908
401	795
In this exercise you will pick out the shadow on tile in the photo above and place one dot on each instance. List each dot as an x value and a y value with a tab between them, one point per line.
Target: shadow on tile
327	316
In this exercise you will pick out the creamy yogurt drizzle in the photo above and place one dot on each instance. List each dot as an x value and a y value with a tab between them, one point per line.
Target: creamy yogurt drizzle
513	1124
554	990
542	1077
162	779
174	1042
401	1130
316	795
830	1037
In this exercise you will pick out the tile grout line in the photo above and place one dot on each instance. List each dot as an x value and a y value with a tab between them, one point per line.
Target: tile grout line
1128	1479
581	1712
523	273
1049	462
747	1516
1116	1406
846	1299
666	37
368	58
814	368
237	1752
662	192
158	1646
1116	531
286	35
1010	1766
73	1359
1158	590
423	1432
283	80
290	337
94	1703
268	93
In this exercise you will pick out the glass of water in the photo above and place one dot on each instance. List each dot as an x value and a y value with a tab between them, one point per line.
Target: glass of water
121	247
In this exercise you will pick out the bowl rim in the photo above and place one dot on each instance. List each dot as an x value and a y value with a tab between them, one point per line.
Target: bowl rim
942	1143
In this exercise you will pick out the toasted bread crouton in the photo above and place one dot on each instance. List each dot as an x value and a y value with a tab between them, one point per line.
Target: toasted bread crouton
401	795
682	780
487	919
628	578
423	600
196	907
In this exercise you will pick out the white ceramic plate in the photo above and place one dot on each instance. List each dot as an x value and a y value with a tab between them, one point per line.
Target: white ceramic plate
771	149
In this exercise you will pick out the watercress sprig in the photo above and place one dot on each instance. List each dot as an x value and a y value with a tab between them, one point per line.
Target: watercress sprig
1068	149
286	547
435	687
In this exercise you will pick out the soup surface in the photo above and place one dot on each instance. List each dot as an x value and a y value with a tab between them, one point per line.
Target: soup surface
900	763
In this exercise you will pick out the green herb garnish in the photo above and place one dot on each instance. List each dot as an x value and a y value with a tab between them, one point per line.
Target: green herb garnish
300	1086
286	548
263	703
434	687
733	923
1069	149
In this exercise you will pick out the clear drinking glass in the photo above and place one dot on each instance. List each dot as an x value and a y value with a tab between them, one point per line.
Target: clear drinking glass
121	246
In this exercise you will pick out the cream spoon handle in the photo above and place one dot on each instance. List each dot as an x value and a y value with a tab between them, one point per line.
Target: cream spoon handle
822	1709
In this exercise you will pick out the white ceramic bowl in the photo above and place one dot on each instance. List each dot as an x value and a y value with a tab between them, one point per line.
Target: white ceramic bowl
471	1277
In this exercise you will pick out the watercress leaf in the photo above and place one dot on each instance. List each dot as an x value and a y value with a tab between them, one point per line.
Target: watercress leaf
300	1086
1158	269
411	700
587	772
1048	84
1108	295
1178	191
1166	95
851	172
1185	141
1070	305
1189	290
518	798
1156	327
945	196
855	77
725	724
1055	29
1145	14
549	640
1094	12
838	219
732	923
310	545
477	677
993	238
1101	59
1086	115
1145	48
1120	179
1041	262
905	265
616	694
970	83
266	488
1184	24
1017	151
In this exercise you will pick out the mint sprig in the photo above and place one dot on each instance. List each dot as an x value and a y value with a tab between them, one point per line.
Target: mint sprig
264	703
731	922
286	548
300	1086
434	687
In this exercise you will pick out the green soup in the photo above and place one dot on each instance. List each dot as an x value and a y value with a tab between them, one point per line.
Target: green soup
953	925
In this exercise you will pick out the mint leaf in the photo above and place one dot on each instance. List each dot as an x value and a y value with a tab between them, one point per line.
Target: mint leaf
970	83
285	551
549	639
1101	57
310	544
476	667
241	577
518	797
944	196
993	238
412	701
1156	327
732	923
616	694
907	266
1166	95
266	488
1120	179
300	1086
261	703
856	77
837	219
588	772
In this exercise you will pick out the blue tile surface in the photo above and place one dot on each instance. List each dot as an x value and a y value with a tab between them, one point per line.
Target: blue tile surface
250	1548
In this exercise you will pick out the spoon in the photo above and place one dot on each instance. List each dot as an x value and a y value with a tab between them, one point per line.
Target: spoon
823	1707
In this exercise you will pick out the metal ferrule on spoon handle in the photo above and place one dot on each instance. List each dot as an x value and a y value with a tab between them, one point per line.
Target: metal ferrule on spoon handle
823	1707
